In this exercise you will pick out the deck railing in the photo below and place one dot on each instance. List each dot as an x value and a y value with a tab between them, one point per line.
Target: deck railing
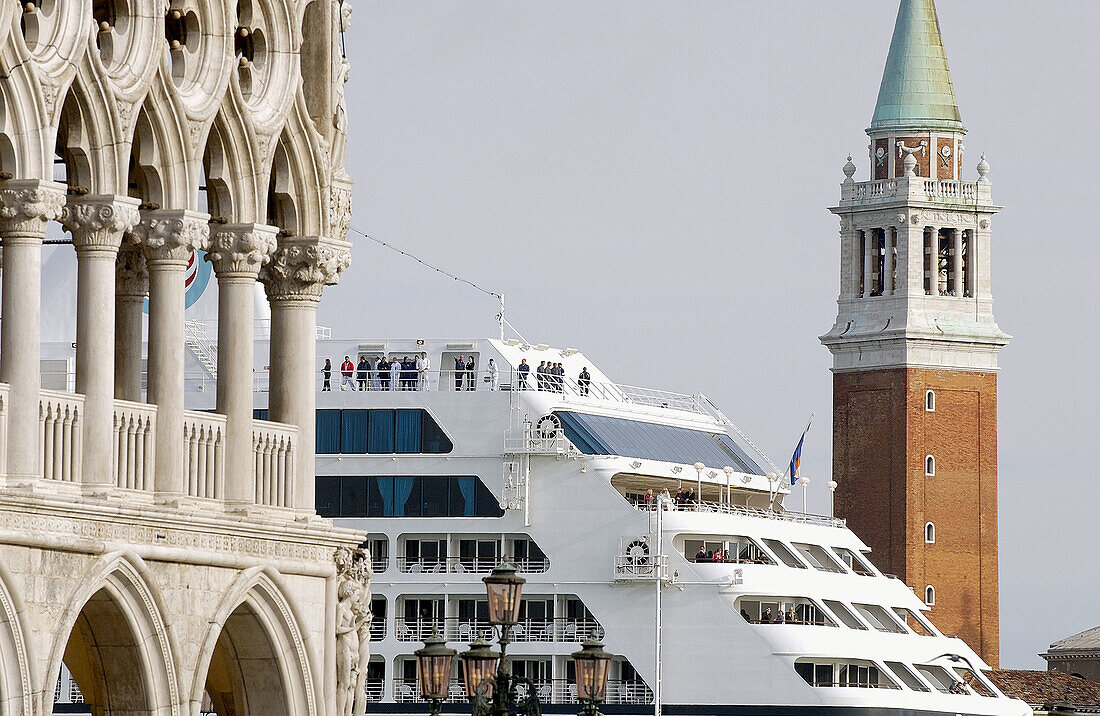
460	565
204	437
60	417
273	448
561	629
715	507
134	450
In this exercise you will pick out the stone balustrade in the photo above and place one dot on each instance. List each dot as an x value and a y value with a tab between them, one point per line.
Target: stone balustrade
60	421
273	451
134	446
917	189
204	454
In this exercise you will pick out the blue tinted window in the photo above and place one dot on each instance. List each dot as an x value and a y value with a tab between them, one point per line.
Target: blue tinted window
462	502
434	496
407	431
380	437
328	496
599	435
379	496
353	498
260	414
328	432
433	439
353	432
384	496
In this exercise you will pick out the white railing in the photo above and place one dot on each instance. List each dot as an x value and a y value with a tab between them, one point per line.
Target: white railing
373	689
202	346
886	189
715	507
645	568
618	692
877	189
460	565
560	629
949	189
273	447
133	449
60	416
204	442
532	441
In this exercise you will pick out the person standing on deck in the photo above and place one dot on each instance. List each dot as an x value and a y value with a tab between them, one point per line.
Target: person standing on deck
423	370
460	372
494	375
347	368
524	370
326	374
376	374
395	374
361	372
471	376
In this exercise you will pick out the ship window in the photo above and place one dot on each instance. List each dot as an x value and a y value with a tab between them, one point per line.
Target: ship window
818	557
930	401
844	614
730	550
599	435
328	432
782	610
906	675
915	622
423	496
930	466
879	618
853	674
353	432
380	437
381	431
939	678
975	683
784	553
528	556
929	533
478	555
854	561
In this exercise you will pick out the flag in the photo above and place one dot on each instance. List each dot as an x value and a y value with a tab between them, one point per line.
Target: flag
796	459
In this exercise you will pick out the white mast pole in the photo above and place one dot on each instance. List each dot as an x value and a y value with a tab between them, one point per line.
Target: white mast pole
659	569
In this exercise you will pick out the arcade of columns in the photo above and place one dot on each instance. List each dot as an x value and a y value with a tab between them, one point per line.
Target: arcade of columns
164	555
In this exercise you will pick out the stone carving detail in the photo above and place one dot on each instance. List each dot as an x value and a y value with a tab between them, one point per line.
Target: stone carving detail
241	250
341	11
339	206
99	221
301	271
171	235
27	206
131	273
353	618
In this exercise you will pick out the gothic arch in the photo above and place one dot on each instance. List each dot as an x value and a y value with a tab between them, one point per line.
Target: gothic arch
256	614
297	190
24	151
112	629
16	679
233	181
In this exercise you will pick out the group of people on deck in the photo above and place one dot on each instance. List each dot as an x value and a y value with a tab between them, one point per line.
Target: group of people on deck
550	377
406	373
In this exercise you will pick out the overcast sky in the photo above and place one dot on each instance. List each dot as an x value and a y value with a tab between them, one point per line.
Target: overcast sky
648	182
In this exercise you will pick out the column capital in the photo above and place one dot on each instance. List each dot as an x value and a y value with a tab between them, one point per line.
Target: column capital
239	250
303	265
99	221
27	204
131	273
171	235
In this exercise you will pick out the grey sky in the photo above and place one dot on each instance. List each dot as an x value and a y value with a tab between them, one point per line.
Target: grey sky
648	182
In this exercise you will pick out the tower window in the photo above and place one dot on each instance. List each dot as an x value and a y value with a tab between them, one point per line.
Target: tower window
930	595
930	466
930	401
929	533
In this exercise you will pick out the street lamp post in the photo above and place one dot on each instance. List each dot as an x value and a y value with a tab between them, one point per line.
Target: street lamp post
591	666
433	667
831	484
699	467
729	471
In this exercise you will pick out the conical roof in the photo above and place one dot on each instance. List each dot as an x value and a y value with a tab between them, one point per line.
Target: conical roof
916	91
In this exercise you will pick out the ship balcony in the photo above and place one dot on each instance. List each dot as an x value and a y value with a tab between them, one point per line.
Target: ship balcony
558	630
465	565
549	691
742	511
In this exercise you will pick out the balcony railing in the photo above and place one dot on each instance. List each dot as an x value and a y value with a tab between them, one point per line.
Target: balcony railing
374	689
134	444
378	628
560	630
715	507
549	691
408	691
460	565
946	190
204	435
60	417
273	448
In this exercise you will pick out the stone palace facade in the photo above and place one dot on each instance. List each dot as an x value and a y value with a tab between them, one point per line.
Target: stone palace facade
164	555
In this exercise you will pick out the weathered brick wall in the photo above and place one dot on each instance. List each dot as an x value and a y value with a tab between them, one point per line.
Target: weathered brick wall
881	436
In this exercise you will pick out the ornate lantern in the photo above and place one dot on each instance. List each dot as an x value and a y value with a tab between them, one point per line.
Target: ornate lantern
591	665
479	666
504	589
433	666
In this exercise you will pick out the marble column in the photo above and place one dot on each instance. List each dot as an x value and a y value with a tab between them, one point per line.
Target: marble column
890	237
25	207
868	266
167	238
237	251
957	261
131	289
934	244
97	225
294	279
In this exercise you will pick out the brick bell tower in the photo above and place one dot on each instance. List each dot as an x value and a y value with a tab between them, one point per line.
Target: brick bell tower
915	345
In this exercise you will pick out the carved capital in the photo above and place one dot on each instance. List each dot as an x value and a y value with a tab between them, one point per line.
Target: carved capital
99	222
171	235
27	204
241	249
303	266
131	273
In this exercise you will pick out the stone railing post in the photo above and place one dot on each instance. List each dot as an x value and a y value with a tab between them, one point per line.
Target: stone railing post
167	238
131	288
237	252
97	225
25	207
294	279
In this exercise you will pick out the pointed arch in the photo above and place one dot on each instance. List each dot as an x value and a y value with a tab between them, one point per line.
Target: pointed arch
16	677
167	174
114	626
256	611
25	150
297	188
234	182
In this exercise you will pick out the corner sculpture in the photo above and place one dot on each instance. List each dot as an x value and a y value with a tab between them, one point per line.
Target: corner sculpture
353	620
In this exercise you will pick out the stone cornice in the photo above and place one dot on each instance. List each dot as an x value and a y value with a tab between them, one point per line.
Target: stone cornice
303	266
171	235
99	221
27	204
131	273
240	250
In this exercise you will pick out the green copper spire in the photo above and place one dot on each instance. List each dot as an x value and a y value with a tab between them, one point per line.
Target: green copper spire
916	91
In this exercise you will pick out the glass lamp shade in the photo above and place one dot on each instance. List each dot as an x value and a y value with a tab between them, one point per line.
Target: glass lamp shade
504	588
591	665
479	665
433	666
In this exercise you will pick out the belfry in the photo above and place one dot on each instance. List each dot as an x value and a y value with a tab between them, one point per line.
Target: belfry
915	345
